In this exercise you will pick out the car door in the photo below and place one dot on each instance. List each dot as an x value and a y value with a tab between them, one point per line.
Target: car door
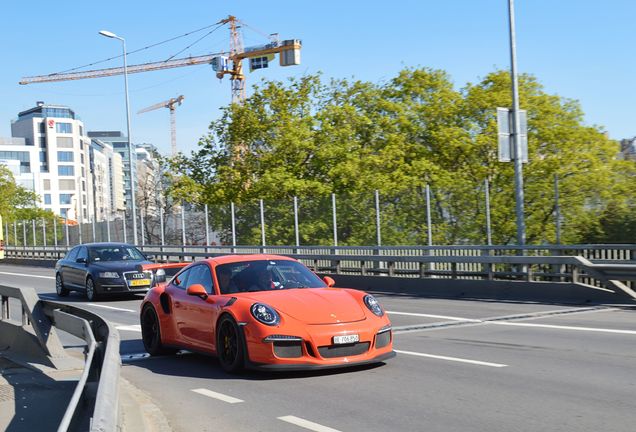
66	266
195	316
79	267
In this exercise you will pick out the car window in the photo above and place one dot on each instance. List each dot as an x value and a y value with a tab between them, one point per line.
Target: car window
83	253
72	254
181	279
201	275
115	253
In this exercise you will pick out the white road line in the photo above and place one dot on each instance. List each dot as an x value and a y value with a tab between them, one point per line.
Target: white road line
109	307
134	327
590	329
27	275
455	359
307	424
433	316
219	396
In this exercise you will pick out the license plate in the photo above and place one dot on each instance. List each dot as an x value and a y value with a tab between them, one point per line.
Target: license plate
346	339
140	282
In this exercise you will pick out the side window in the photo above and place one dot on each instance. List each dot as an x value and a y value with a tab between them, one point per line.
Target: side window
83	253
72	255
181	279
201	275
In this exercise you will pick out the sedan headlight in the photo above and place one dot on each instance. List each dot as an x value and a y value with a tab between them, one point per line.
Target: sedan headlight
265	314
373	305
109	275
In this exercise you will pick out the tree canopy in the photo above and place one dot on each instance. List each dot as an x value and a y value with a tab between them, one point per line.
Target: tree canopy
309	138
17	202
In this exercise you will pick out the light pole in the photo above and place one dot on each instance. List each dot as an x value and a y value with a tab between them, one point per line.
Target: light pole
130	150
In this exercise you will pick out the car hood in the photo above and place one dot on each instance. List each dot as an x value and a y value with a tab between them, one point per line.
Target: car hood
120	266
313	305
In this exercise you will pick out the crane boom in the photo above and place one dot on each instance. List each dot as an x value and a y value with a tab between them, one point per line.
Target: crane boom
171	104
100	73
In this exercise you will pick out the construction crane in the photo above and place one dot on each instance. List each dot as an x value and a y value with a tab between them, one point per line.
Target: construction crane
171	104
259	57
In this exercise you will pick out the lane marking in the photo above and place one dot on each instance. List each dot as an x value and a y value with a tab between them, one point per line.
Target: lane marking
219	396
27	275
109	307
452	318
133	328
560	327
306	424
455	359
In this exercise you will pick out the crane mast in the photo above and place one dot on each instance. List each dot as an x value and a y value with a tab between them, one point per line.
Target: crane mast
171	104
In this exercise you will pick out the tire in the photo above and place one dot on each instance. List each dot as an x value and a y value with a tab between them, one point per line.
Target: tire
91	293
229	345
59	286
151	333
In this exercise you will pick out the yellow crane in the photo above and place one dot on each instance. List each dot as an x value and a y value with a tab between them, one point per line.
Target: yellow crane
171	104
259	56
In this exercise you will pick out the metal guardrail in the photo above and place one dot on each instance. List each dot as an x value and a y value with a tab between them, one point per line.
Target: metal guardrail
96	395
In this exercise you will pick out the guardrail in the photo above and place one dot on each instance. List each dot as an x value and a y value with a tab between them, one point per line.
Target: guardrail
96	396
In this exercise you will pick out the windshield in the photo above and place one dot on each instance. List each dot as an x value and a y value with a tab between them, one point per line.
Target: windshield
265	275
114	253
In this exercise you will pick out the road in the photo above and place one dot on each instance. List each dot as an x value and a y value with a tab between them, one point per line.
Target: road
461	366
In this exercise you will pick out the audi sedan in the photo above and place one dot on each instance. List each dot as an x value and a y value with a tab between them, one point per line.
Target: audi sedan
98	269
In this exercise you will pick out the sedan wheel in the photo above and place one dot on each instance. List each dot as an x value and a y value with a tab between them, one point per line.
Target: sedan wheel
91	295
229	345
151	333
59	286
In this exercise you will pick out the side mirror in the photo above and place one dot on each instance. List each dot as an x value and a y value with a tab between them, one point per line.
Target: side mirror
149	257
160	276
81	260
329	281
197	290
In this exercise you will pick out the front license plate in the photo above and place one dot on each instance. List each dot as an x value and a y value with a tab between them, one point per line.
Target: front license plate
140	282
346	339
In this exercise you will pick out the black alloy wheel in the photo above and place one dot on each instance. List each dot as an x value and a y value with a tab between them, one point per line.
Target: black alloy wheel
59	286
151	333
91	294
229	346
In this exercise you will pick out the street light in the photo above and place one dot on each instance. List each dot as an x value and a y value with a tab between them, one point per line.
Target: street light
130	151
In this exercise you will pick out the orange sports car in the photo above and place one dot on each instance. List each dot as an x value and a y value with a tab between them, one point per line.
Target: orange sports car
265	312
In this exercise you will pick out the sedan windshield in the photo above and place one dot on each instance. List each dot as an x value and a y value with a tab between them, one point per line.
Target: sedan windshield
114	253
265	275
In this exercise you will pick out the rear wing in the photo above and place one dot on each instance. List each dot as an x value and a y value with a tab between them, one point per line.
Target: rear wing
162	272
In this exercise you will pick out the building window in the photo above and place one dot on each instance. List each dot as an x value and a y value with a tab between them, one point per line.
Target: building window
15	155
82	158
84	199
65	170
81	145
64	212
42	126
83	172
66	184
83	186
64	128
25	167
46	184
65	156
64	142
47	199
44	168
43	156
43	142
66	198
81	128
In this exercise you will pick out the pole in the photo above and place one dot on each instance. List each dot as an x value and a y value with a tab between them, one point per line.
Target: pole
15	232
34	238
93	226
130	149
66	226
557	209
335	221
6	230
488	229
429	228
124	224
143	231
79	229
233	226
24	243
521	228
108	227
183	233
163	238
44	231
262	222
296	221
377	218
55	231
207	226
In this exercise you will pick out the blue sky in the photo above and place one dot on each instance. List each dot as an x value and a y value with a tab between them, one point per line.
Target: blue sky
579	49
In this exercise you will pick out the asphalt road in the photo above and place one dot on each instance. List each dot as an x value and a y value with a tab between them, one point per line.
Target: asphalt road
461	366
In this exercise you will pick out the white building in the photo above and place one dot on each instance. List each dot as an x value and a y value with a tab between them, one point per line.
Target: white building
53	153
108	181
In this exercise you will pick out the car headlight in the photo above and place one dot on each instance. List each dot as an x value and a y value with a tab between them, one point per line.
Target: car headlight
265	314
373	305
109	275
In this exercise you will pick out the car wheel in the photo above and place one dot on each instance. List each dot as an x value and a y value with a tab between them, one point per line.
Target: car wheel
59	286
91	294
229	346
151	333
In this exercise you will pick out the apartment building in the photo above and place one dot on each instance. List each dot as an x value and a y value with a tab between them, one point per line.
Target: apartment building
107	170
52	149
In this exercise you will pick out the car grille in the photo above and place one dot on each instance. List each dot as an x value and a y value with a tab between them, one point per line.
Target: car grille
288	349
331	351
133	275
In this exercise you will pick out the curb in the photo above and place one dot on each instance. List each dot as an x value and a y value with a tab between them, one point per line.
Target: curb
138	411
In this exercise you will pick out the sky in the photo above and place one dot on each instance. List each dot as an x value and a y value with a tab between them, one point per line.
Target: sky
578	49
